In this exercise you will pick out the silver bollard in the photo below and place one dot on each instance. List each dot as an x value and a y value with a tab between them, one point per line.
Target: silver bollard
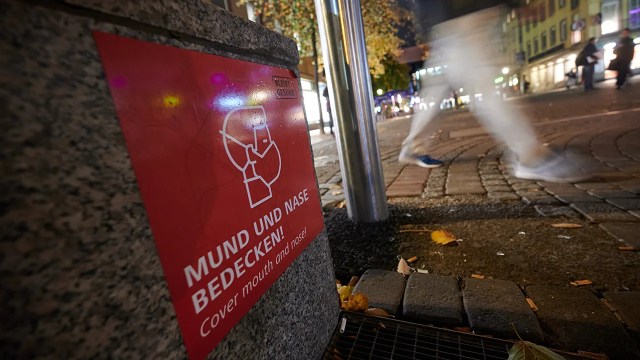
347	70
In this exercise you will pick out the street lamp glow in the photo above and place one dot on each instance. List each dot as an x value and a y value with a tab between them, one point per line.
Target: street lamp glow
380	92
505	70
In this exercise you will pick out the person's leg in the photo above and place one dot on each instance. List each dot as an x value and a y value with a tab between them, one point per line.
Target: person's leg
622	76
416	142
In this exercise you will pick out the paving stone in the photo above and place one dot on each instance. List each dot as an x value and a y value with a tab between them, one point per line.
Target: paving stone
575	319
563	190
555	210
492	177
496	182
404	191
538	199
461	188
627	304
611	194
578	198
602	212
635	213
626	204
433	299
629	233
595	186
492	307
498	188
503	196
383	288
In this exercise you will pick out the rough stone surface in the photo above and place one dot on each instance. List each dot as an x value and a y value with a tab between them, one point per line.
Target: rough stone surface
433	299
575	319
627	304
383	288
492	307
213	24
79	272
629	233
602	212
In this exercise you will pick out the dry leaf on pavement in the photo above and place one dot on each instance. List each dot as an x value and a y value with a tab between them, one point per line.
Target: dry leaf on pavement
566	226
477	276
524	350
581	282
443	237
532	305
628	248
412	259
403	267
356	302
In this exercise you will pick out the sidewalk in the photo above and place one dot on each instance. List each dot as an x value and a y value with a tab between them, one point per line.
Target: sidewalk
504	223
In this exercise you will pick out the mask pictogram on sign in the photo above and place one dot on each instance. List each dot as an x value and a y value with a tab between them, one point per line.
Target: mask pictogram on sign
251	150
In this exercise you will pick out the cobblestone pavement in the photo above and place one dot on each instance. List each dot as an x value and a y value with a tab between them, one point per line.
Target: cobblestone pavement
600	129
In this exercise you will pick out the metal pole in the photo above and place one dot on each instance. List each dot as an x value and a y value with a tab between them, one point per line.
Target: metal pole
345	59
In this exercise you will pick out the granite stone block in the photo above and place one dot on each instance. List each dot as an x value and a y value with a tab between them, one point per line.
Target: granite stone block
629	233
433	299
496	307
575	319
80	274
383	288
627	304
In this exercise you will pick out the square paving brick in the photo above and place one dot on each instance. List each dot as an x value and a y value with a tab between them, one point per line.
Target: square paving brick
496	182
602	212
404	191
611	194
462	188
629	233
595	186
626	204
571	198
494	305
433	299
538	199
383	288
503	196
576	319
627	304
498	188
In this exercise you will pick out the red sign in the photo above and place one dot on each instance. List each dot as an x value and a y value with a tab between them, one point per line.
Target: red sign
221	152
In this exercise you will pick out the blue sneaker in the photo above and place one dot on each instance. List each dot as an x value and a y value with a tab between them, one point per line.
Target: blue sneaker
424	161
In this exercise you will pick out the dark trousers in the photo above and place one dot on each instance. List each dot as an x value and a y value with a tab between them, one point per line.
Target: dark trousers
622	75
587	76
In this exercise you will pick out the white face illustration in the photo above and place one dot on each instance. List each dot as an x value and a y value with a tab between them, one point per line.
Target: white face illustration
250	148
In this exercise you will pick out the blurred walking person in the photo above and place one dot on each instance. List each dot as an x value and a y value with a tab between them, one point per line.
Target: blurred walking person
470	42
624	54
589	59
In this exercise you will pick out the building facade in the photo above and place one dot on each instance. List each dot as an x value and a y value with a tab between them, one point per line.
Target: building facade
544	37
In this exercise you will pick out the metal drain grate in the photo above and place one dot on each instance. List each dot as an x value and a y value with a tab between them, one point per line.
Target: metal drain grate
359	336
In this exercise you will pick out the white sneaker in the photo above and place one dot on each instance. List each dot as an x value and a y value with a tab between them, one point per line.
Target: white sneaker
556	169
424	161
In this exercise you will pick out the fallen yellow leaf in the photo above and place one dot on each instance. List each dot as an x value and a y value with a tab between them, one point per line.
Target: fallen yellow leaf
581	282
477	276
344	292
356	302
532	305
412	259
566	226
443	237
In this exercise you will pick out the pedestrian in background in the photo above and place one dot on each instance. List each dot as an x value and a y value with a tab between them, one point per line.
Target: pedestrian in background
465	43
624	54
588	59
